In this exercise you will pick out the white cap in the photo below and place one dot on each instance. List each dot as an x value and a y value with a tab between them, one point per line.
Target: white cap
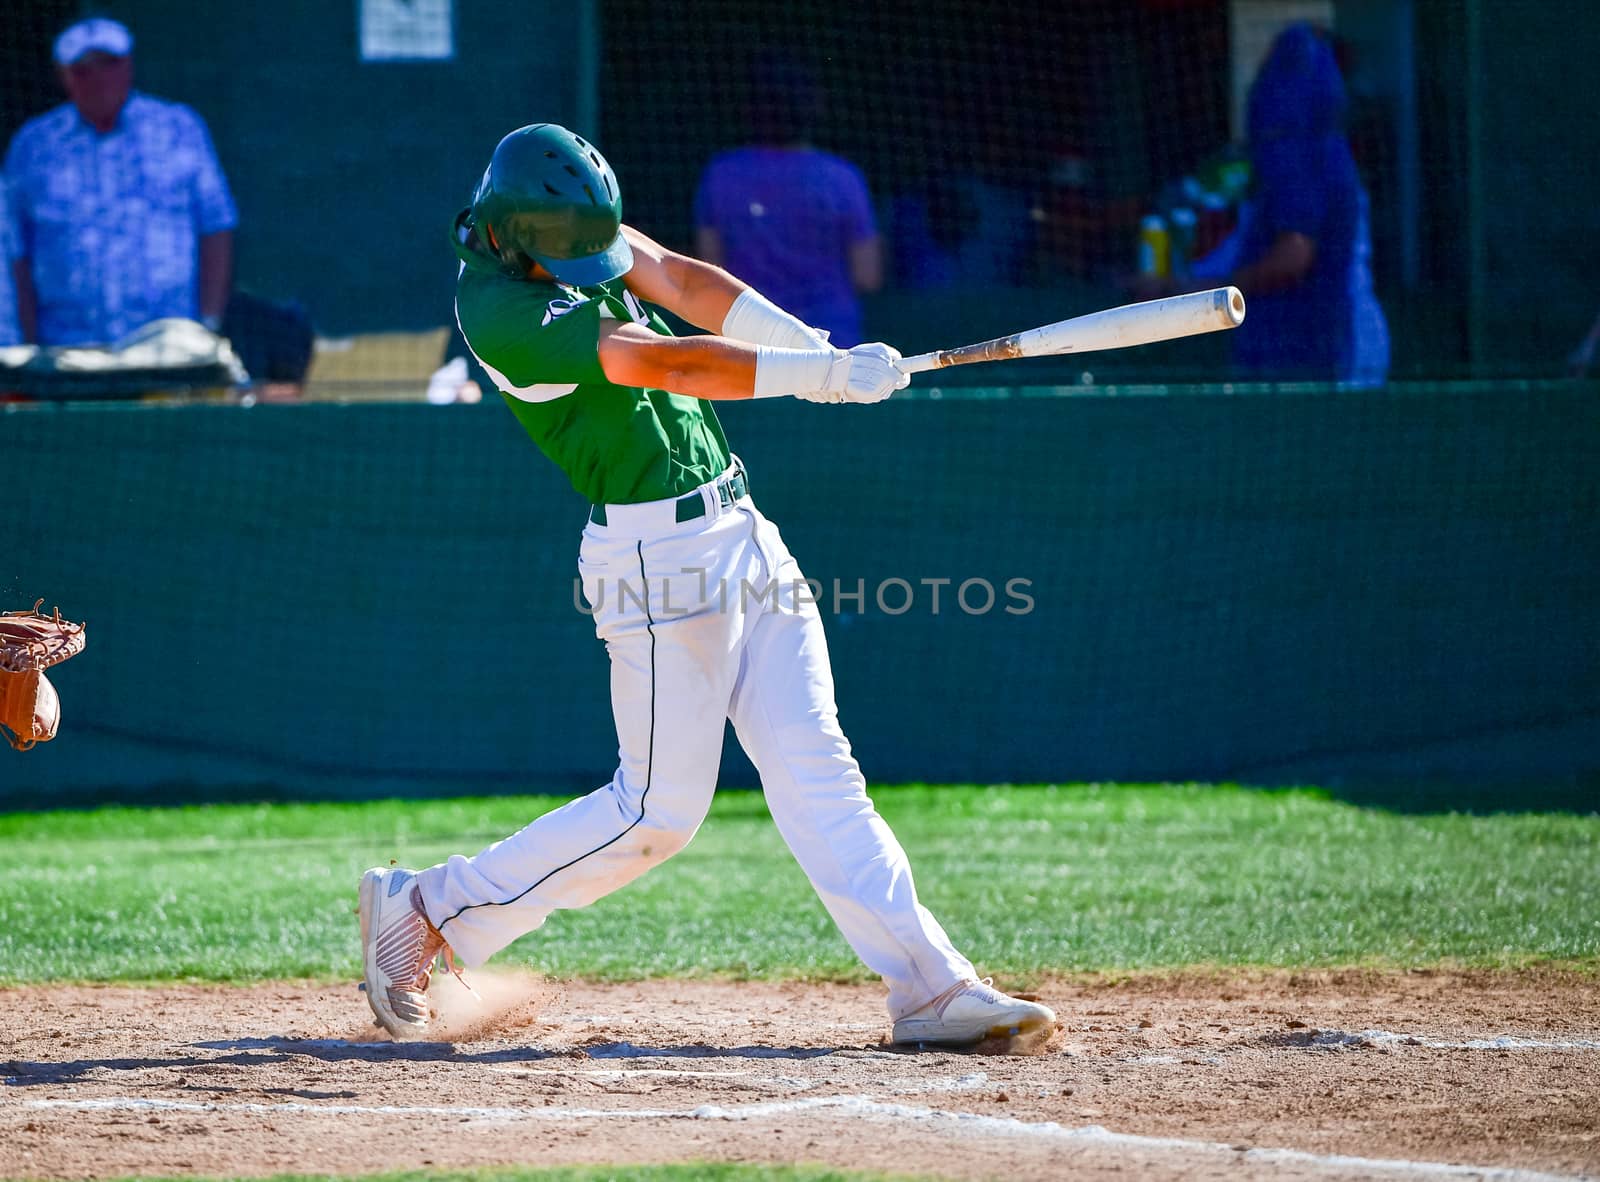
96	34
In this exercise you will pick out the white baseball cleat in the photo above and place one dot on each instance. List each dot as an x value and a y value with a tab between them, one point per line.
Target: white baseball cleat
969	1012
398	947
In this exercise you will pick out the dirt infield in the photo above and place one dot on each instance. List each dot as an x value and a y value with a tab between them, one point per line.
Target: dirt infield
1343	1075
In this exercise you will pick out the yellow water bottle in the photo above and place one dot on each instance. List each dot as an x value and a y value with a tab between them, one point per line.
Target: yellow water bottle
1155	247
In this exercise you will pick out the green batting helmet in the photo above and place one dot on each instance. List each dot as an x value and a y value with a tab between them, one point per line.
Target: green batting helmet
549	197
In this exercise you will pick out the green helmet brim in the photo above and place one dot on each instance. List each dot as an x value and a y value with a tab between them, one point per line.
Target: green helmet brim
614	260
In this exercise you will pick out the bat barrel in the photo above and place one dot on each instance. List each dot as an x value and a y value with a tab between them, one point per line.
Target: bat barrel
1115	328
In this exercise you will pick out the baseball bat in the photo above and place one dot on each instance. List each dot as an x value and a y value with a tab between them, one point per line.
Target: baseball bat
1115	328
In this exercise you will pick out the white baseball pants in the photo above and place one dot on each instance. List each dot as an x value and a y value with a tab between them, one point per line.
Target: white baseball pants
705	620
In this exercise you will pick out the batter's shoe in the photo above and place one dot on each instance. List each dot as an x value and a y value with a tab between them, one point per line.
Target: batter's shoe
398	948
969	1012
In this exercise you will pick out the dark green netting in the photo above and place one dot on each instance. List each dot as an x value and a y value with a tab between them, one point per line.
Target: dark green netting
1264	585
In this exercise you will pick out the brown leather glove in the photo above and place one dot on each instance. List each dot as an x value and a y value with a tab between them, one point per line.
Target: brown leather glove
30	642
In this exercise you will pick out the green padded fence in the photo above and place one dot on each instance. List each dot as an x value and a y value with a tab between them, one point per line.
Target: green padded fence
329	600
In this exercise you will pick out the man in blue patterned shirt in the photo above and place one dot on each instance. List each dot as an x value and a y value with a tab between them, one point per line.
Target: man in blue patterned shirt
120	212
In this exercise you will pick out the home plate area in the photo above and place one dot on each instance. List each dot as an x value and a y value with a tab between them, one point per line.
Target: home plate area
1316	1075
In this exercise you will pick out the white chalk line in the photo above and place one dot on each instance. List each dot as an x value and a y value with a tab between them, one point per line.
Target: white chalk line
625	1072
614	1020
628	1050
860	1107
1314	1038
617	1075
894	1086
1503	1042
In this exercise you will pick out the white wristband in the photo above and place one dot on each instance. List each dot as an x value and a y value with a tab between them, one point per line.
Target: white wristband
791	371
756	319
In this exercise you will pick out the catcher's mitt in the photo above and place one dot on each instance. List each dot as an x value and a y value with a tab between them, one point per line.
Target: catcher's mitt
30	642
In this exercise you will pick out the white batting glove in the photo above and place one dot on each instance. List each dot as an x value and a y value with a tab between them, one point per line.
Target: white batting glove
866	373
837	382
873	374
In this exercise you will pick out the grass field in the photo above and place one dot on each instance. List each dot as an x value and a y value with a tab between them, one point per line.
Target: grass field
1029	880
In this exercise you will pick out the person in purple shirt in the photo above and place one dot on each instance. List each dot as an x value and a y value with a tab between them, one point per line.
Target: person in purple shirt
10	326
1302	251
789	219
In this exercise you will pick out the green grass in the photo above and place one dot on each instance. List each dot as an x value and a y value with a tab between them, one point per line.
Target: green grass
1029	881
686	1172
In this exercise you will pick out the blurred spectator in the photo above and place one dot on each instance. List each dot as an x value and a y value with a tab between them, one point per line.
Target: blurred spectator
120	212
274	341
958	230
1302	250
10	329
794	222
963	214
1583	356
929	227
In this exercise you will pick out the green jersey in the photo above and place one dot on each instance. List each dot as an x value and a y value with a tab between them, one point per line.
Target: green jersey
539	342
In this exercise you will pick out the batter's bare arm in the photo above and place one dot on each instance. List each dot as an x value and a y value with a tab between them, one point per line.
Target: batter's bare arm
702	367
758	351
698	291
717	367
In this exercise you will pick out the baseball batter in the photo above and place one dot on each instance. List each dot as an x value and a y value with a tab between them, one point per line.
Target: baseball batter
703	611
